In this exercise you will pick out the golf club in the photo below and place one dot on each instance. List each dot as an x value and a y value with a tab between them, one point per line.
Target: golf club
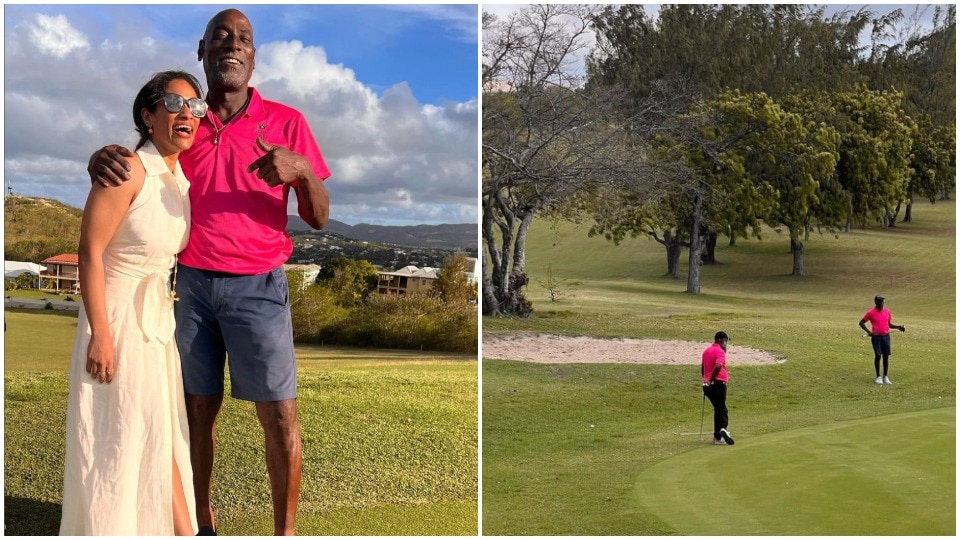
703	404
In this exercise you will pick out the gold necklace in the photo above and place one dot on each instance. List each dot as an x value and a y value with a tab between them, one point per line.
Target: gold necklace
216	135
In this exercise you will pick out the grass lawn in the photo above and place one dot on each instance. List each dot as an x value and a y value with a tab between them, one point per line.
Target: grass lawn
838	478
37	294
389	437
567	448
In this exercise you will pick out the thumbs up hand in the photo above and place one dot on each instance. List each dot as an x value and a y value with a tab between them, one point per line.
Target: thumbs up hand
279	165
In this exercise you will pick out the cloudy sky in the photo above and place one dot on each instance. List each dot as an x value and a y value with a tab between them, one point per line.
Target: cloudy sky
390	93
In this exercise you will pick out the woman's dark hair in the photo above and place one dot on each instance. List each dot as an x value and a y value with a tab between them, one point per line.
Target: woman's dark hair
149	98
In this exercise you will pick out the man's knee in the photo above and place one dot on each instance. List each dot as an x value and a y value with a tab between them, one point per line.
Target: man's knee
203	410
279	417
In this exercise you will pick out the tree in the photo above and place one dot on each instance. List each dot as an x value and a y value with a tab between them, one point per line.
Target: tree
661	220
26	280
545	139
774	49
933	159
785	156
452	285
909	55
876	136
352	281
757	48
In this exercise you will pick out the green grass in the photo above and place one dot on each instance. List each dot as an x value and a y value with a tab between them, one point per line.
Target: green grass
547	471
37	294
390	440
838	478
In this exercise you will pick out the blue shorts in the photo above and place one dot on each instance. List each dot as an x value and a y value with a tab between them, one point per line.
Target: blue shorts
881	345
241	319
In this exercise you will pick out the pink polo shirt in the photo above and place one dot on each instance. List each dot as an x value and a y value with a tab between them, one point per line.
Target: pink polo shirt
711	357
238	222
879	320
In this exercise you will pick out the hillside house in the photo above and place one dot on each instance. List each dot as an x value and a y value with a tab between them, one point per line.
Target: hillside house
309	272
62	274
407	280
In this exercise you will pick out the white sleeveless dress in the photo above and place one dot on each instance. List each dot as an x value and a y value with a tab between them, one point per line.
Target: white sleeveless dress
122	436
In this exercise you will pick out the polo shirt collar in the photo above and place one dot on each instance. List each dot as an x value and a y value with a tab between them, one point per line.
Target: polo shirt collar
153	162
254	108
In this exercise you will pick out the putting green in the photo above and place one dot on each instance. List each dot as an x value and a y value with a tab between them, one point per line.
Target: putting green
889	475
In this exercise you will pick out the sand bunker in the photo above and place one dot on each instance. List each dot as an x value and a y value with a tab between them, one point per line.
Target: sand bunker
557	349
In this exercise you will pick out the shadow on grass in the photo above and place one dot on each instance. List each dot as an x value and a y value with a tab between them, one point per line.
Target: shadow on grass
28	517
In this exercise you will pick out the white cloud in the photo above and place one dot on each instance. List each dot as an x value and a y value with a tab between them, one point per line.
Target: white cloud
55	35
386	152
392	158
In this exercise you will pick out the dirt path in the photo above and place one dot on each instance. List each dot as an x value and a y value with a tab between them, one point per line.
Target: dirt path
556	349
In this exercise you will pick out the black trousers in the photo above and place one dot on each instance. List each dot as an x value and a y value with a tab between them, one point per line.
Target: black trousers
717	394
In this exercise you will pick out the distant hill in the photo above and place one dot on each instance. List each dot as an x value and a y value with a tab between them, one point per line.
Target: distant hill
445	236
35	229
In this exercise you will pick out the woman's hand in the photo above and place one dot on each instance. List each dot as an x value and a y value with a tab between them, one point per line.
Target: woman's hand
100	361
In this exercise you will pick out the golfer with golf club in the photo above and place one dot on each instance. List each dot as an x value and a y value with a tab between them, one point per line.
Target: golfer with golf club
713	369
881	321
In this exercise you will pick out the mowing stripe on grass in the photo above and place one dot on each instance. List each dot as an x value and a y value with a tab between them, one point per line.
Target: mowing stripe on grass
887	475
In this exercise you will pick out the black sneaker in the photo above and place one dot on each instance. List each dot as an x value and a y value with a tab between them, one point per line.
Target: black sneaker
206	530
726	436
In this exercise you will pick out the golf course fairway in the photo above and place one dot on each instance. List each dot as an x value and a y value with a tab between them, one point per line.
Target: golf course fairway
887	475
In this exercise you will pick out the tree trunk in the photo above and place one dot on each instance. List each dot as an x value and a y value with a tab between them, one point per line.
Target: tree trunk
515	303
511	300
490	305
908	214
503	282
796	247
674	247
709	248
520	244
696	248
891	218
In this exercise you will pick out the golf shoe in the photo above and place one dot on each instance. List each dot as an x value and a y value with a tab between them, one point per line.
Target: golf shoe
886	380
879	380
726	436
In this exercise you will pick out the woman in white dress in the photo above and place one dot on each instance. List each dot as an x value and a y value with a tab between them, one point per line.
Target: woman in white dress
127	469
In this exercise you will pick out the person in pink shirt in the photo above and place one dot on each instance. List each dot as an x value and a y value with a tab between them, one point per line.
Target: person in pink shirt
713	369
234	302
881	321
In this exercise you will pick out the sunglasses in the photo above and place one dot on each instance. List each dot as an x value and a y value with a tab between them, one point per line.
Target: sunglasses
174	103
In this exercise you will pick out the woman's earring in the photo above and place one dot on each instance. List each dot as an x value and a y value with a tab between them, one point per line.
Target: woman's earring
150	130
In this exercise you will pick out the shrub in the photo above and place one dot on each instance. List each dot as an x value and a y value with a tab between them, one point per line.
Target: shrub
414	322
315	311
420	321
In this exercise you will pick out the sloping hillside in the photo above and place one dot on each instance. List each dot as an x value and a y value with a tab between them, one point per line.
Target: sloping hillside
34	228
453	236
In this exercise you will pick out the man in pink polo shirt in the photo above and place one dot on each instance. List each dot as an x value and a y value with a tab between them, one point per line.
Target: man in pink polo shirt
234	303
713	369
881	321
